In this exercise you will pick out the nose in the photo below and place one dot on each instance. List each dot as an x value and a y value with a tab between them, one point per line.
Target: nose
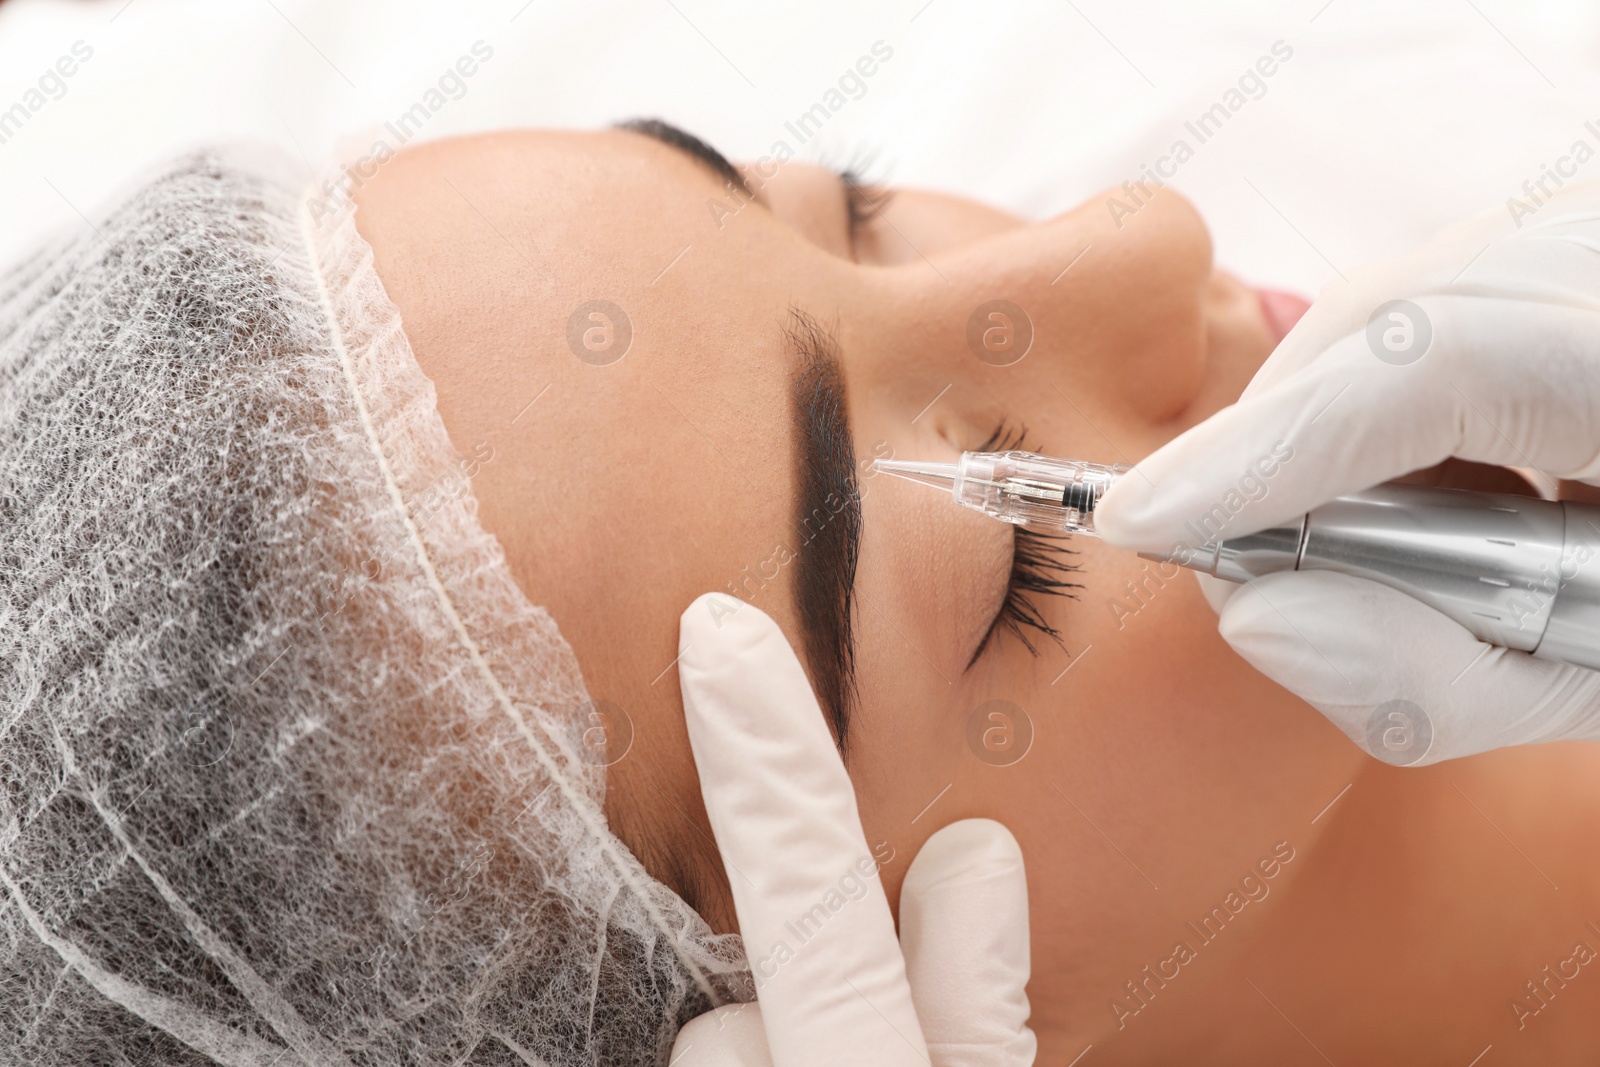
1109	300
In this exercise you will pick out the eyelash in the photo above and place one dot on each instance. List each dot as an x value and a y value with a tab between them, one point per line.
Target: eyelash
1038	560
864	200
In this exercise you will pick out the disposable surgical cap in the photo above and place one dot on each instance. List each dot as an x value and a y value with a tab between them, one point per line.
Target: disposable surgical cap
291	771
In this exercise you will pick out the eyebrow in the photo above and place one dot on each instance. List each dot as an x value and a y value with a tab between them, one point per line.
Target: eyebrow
827	520
689	145
828	502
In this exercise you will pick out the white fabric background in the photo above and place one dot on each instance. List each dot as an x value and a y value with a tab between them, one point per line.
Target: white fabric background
1391	119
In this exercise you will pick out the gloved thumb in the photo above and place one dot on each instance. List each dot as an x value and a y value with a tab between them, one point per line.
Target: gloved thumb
964	933
730	1036
1404	682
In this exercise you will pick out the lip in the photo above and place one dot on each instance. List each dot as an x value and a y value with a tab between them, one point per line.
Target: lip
1281	310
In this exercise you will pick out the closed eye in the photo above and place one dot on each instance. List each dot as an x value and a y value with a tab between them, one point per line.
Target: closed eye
864	201
1039	562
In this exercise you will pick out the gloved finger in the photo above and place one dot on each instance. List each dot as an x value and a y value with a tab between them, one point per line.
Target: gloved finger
964	931
1348	421
729	1036
816	925
1407	684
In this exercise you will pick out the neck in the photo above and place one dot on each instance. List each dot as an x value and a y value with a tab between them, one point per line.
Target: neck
1437	901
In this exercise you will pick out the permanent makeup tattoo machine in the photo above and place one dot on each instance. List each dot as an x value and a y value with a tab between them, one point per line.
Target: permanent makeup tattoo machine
1519	572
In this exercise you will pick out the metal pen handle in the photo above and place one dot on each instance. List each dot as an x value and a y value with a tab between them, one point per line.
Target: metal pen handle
1516	571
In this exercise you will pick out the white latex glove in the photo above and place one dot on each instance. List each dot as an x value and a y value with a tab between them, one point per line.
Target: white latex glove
949	991
1511	376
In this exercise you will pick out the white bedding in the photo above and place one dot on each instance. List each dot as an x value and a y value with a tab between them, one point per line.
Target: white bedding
1388	120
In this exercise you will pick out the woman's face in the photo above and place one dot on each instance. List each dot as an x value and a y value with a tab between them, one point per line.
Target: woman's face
1160	768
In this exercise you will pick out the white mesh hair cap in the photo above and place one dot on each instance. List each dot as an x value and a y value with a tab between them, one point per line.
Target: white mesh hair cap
291	772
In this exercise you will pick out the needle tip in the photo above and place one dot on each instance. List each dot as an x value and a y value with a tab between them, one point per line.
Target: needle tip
938	475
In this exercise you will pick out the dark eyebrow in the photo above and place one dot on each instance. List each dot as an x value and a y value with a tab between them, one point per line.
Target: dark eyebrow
689	145
827	520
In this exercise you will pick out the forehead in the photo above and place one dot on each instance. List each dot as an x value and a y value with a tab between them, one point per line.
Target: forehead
575	216
585	319
605	273
607	191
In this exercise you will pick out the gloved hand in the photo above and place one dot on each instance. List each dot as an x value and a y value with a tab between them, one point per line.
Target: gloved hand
834	986
1495	357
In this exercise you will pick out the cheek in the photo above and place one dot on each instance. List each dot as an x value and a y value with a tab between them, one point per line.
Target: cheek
929	582
1158	759
1182	766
